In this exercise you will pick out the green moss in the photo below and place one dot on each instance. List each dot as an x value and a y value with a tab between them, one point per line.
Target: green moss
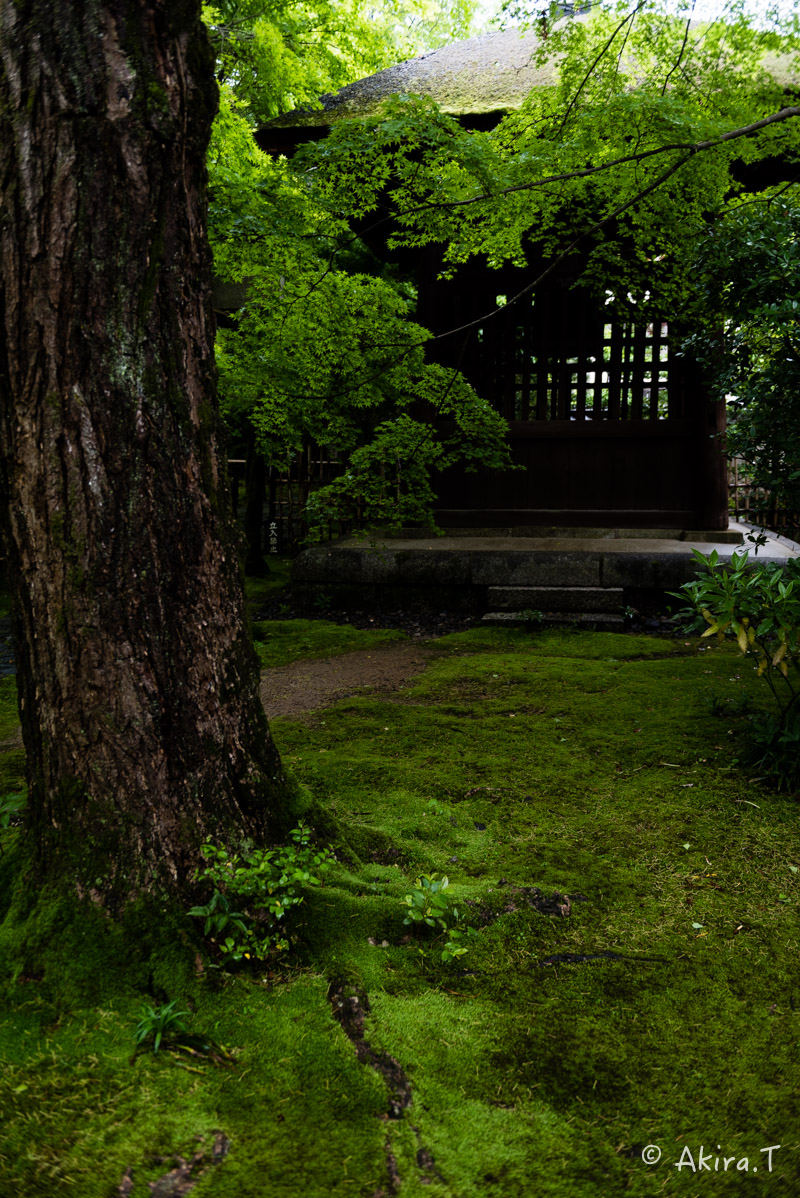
300	1111
663	1010
76	953
590	646
279	642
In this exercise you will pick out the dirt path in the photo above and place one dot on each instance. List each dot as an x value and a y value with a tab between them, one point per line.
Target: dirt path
308	685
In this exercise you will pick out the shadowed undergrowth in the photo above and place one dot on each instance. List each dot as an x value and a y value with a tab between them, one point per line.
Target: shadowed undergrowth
662	1010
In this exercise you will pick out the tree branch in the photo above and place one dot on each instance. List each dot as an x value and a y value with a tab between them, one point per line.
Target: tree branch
628	19
691	147
679	59
662	178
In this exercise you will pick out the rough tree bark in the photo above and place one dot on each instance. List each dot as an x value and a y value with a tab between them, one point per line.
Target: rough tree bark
138	686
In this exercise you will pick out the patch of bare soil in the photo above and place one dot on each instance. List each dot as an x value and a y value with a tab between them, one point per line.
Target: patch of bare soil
308	685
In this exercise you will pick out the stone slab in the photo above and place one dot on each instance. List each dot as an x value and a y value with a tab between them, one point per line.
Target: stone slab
731	536
456	572
556	599
591	620
535	568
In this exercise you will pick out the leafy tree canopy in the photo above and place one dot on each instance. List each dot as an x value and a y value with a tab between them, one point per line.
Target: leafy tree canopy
629	154
325	347
749	271
633	156
279	55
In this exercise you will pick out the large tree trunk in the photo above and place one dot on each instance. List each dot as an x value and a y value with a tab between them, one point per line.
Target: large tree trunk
138	685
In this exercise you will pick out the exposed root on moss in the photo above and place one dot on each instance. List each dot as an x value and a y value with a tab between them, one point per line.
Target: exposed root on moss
394	1180
350	1006
184	1175
579	958
425	1162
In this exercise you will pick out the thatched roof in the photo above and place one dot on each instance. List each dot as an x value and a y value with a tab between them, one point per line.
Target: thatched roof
488	74
492	73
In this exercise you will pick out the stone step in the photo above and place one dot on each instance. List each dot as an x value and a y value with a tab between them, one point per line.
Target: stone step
595	621
556	599
729	536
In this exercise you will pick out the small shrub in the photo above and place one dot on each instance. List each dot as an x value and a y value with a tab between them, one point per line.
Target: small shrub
427	907
774	750
760	607
323	601
266	883
454	947
427	903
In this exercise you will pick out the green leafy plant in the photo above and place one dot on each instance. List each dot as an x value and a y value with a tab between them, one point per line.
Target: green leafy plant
323	601
427	907
163	1027
774	750
160	1025
10	807
732	709
759	606
454	946
267	883
748	279
427	903
218	915
325	349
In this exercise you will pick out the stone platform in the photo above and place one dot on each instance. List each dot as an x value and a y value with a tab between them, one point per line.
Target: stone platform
593	574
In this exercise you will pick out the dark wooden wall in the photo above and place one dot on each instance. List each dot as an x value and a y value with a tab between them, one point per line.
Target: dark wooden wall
612	427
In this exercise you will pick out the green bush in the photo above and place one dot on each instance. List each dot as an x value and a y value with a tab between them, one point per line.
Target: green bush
758	605
428	907
426	903
266	883
774	750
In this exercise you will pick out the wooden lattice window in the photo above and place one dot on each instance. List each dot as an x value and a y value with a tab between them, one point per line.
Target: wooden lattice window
625	378
565	361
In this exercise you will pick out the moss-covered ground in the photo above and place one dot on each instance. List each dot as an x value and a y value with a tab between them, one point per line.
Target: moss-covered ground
663	1010
279	642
